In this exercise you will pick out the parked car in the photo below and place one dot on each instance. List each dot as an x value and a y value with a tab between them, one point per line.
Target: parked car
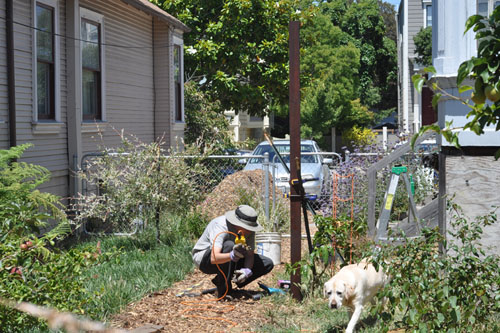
314	168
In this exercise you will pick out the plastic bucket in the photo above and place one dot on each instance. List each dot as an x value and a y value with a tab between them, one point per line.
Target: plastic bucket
269	244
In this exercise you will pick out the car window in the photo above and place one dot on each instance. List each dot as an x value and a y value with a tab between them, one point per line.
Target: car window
284	151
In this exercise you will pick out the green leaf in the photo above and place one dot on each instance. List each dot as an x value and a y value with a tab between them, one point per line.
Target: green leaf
497	154
453	301
430	69
418	82
455	314
464	70
440	318
471	21
435	100
464	88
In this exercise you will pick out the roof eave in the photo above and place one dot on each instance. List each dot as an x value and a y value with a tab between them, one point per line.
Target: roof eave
152	9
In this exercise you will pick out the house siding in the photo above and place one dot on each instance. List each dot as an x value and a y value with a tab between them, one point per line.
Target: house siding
137	92
129	87
163	67
4	104
49	150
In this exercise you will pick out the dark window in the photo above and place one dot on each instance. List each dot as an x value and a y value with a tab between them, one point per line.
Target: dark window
428	16
177	83
482	7
91	70
45	75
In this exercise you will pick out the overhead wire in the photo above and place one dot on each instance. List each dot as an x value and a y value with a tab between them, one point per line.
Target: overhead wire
92	42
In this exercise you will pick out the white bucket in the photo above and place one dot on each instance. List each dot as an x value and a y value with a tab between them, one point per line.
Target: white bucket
269	245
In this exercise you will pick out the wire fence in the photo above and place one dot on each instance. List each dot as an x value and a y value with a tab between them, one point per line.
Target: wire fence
256	180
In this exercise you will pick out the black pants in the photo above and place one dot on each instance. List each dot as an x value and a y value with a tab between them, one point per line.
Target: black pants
261	266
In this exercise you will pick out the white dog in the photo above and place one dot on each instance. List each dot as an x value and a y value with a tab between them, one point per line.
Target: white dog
354	286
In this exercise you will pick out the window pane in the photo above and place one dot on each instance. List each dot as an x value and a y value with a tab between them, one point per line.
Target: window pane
497	3
177	63
90	45
90	94
428	20
44	90
482	7
44	40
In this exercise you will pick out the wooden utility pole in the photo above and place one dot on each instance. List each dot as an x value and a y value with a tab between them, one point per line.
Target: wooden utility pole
295	199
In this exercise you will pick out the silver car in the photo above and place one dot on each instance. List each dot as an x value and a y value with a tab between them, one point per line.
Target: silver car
314	168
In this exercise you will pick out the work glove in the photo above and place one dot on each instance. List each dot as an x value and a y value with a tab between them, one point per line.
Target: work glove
241	275
238	252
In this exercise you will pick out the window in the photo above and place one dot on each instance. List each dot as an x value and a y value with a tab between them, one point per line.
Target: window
428	15
45	62
485	7
91	69
92	61
178	83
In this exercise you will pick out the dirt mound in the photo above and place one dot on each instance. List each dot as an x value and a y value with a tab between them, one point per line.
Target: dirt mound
242	187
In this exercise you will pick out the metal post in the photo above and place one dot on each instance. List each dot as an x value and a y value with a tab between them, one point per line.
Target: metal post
347	157
295	200
266	184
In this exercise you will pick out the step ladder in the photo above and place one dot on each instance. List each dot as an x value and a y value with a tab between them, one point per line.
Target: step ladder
386	209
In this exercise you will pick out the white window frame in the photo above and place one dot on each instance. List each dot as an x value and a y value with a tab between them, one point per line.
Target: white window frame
57	63
98	18
491	4
425	7
177	41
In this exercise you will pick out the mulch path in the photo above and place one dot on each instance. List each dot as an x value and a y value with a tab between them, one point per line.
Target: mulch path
202	313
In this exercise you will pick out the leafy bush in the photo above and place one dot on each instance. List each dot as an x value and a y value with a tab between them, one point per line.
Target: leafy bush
139	181
423	46
359	136
30	268
431	292
340	234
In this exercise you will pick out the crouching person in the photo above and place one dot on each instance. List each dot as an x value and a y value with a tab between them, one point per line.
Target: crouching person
239	263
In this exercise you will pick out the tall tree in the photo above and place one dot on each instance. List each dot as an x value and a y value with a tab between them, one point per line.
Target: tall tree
366	28
388	13
237	49
330	69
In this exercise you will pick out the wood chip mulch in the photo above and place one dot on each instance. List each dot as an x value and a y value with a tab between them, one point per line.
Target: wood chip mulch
202	313
173	313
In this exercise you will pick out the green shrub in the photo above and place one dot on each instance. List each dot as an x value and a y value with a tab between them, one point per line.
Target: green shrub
339	234
140	182
430	292
30	268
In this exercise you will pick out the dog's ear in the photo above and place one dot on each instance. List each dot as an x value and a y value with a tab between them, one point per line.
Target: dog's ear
327	287
349	291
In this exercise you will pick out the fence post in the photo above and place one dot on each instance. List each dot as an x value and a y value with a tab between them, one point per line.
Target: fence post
266	184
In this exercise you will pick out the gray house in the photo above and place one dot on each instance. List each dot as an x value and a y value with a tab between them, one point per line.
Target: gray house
414	110
74	71
470	176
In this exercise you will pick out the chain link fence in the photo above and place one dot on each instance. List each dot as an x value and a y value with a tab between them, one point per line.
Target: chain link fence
228	181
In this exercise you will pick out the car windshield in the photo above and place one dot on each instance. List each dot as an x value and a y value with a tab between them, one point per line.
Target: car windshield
284	151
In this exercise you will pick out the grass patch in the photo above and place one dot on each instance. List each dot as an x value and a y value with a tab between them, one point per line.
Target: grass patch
138	267
312	315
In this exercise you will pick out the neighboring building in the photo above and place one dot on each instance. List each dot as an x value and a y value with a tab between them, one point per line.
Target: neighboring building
470	176
245	126
82	68
414	110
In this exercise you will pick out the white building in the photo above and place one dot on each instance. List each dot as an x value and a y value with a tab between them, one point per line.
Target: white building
414	109
470	176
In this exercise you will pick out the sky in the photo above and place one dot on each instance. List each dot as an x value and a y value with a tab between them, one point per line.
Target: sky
394	2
